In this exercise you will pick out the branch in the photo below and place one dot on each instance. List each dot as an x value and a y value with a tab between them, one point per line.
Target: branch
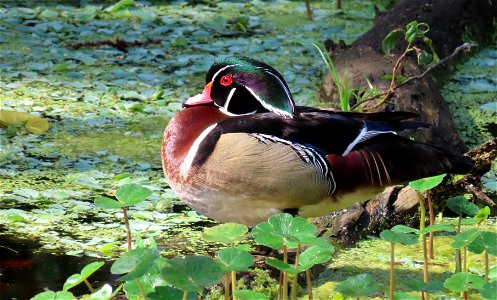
466	47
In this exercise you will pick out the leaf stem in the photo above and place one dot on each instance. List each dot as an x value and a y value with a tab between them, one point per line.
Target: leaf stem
486	266
92	290
458	251
295	278
309	283
432	221
285	274
425	265
226	286
392	269
185	295
126	224
233	283
140	287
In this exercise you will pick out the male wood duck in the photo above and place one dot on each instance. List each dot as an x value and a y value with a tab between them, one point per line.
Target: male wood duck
242	150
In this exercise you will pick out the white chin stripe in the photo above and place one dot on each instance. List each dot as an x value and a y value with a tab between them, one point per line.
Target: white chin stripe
192	152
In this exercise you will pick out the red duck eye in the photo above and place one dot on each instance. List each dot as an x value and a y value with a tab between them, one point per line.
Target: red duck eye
226	80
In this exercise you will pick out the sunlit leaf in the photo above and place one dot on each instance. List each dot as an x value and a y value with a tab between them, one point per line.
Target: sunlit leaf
227	233
249	295
76	279
135	263
50	295
131	194
465	238
107	203
428	183
192	273
233	259
463	282
358	286
398	237
484	241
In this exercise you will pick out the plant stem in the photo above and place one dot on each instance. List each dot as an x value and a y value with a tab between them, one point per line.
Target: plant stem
486	266
126	224
422	211
285	274
465	295
233	283
339	4
465	259
308	8
432	221
185	295
226	286
458	251
142	291
309	283
392	269
92	290
295	278
425	265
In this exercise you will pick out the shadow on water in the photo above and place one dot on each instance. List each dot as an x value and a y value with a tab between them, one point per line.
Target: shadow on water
25	270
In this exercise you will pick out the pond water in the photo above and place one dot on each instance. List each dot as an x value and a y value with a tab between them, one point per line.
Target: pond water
107	109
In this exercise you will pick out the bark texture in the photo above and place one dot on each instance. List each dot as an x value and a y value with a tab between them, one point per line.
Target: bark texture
452	22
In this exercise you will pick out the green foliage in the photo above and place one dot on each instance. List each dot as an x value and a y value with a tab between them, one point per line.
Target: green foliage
127	195
428	183
489	290
192	273
465	238
227	233
482	214
485	241
233	259
135	263
461	205
284	229
398	237
50	295
429	287
249	295
358	286
463	282
76	279
168	293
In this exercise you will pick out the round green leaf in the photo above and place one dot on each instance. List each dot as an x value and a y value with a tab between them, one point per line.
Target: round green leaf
135	262
284	229
107	203
131	194
282	266
169	293
398	237
104	292
227	233
389	41
76	279
482	214
489	291
50	295
484	241
358	286
314	255
465	238
428	183
430	286
463	282
438	227
192	273
233	259
461	205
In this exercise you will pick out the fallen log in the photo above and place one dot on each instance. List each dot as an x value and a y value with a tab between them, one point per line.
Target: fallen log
452	22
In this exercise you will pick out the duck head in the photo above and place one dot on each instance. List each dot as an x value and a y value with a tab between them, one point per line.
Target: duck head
242	86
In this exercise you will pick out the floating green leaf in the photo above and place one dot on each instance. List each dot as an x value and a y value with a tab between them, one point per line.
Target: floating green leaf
428	183
76	279
233	259
463	282
227	233
461	205
358	286
192	273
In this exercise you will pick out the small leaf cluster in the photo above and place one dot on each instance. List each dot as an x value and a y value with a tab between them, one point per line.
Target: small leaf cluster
414	31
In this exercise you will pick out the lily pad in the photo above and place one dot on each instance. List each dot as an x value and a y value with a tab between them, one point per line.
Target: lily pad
227	233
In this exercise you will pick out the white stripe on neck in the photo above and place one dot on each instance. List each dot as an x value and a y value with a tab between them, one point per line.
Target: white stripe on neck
192	152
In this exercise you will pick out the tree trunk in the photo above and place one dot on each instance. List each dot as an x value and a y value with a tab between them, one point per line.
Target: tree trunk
452	22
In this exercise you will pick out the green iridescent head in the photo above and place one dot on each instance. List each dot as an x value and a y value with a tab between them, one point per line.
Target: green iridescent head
244	86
